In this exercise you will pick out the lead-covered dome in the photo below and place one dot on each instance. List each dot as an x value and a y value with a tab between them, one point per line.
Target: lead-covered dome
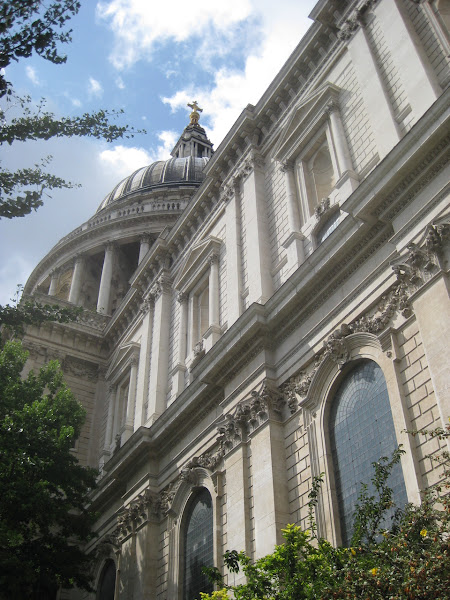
163	173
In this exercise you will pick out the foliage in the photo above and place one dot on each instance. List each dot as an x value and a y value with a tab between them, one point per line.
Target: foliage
37	123
408	561
28	26
43	513
30	312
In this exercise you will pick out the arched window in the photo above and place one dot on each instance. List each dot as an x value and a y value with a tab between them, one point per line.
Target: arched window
107	582
361	432
198	546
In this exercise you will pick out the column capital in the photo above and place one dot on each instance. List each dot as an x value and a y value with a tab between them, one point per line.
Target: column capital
213	258
332	107
110	245
162	285
145	238
182	297
286	166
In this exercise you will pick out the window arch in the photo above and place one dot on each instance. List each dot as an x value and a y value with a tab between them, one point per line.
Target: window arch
198	545
361	432
107	582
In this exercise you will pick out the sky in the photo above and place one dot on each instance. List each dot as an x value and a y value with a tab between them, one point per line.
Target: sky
148	59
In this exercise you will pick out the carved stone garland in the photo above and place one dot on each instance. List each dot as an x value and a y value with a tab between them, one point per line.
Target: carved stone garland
412	271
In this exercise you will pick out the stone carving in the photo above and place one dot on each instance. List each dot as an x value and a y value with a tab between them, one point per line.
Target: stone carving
146	305
189	475
335	347
162	285
421	262
199	349
322	208
81	369
356	20
140	510
182	297
251	412
93	319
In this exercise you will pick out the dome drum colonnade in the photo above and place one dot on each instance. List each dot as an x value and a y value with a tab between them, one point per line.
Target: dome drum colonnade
97	278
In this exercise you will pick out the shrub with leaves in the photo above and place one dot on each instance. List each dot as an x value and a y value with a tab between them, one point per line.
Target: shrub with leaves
409	560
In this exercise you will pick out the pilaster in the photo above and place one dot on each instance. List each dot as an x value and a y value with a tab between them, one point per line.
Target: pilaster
260	285
162	292
234	250
147	309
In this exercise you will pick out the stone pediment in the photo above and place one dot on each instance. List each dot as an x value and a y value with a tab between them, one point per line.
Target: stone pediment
196	263
305	119
122	356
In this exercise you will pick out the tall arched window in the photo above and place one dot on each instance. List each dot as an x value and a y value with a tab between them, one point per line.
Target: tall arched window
361	432
107	583
198	545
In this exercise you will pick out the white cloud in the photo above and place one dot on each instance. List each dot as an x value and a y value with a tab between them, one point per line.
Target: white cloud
122	160
120	83
232	90
95	88
13	271
76	102
32	75
138	27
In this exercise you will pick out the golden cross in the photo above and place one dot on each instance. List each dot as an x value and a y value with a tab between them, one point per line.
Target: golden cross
195	112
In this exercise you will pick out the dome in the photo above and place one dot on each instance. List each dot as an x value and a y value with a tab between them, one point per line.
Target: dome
163	173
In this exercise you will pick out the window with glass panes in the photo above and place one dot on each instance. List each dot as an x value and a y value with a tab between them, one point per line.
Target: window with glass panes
198	545
361	432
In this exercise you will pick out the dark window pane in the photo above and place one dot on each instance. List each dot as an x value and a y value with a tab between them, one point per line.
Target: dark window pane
198	546
107	581
361	432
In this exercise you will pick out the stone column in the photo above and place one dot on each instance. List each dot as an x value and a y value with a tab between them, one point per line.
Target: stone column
233	250
75	287
339	140
294	240
144	246
259	260
104	294
214	290
417	74
178	376
129	420
376	100
162	292
140	414
54	275
116	420
110	421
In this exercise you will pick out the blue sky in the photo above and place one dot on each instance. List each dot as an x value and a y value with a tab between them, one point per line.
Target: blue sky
148	59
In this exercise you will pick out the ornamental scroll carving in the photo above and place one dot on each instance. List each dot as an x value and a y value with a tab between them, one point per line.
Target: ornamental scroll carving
423	260
396	301
251	412
145	507
356	20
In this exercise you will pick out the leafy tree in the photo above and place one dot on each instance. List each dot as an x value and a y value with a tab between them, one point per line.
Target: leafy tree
27	27
408	561
43	515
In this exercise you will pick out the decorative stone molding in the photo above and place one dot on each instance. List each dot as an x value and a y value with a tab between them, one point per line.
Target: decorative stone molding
213	258
424	259
322	208
252	161
250	413
355	21
144	508
81	369
163	285
93	319
182	297
335	346
147	305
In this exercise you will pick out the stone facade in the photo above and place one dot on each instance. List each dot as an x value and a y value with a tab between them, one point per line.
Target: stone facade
222	311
